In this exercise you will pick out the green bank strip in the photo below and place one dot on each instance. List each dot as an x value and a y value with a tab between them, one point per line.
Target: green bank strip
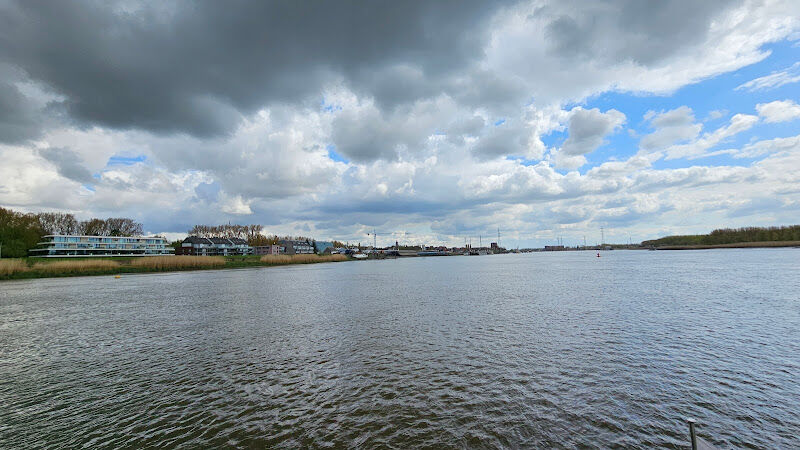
28	268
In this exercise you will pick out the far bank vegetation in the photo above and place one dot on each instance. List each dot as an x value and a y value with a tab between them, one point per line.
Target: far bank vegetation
728	236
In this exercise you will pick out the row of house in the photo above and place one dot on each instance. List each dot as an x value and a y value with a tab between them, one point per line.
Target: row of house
195	245
201	246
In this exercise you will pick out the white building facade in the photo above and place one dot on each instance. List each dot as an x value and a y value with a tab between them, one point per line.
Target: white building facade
78	245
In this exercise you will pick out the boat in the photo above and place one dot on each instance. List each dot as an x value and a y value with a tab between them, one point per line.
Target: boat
360	256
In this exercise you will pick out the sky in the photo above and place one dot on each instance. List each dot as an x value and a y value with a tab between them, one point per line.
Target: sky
427	122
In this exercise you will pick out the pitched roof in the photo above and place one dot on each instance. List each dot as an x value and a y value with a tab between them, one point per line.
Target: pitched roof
214	240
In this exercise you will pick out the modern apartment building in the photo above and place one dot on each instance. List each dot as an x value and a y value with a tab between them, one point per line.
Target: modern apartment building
195	245
56	245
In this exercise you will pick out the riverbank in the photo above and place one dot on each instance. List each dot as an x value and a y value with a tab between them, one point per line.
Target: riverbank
767	244
24	268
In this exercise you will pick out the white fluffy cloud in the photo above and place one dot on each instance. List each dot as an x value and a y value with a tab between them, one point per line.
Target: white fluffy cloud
774	80
699	147
779	111
675	126
588	128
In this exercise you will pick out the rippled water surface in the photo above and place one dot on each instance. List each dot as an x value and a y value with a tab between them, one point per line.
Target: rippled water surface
535	350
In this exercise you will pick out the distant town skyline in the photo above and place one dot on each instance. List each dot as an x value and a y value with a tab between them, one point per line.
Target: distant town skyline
426	122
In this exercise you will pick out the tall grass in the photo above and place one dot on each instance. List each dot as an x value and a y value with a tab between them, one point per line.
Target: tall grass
11	266
178	262
301	259
73	266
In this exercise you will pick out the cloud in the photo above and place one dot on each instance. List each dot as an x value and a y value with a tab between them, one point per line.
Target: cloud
159	68
777	145
696	147
588	128
235	205
677	125
20	119
581	29
67	163
507	138
779	111
774	80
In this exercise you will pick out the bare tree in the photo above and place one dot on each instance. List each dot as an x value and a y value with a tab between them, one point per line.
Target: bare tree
58	223
122	226
114	226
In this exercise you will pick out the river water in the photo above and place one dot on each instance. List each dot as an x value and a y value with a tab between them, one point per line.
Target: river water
542	350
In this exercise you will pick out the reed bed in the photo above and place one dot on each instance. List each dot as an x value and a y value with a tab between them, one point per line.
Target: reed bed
301	259
9	267
85	265
178	262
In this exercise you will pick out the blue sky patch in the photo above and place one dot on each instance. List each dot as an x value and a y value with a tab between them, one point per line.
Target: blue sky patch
332	154
118	160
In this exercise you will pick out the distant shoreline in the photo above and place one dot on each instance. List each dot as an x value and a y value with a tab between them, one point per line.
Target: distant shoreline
766	244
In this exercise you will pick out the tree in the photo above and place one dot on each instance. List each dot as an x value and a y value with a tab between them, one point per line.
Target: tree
121	226
260	240
93	227
113	226
246	232
57	223
18	233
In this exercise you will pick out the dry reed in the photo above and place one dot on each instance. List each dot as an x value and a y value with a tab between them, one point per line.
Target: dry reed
72	266
9	267
178	262
301	259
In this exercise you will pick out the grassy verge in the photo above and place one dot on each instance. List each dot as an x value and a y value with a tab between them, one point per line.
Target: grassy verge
766	244
11	269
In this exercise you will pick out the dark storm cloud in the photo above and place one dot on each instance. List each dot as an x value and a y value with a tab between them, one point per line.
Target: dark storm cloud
195	67
200	67
19	120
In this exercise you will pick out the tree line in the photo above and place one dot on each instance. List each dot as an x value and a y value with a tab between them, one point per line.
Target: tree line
731	236
20	232
253	234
